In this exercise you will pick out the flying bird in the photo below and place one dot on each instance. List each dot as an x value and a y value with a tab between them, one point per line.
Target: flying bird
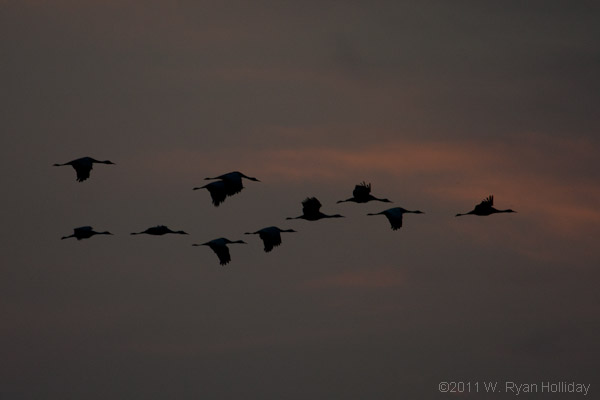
227	185
219	246
362	194
311	207
159	230
271	236
83	166
85	232
485	208
394	215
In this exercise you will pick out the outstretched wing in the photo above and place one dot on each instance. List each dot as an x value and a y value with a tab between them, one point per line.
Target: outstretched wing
82	229
485	205
82	167
270	239
395	220
222	252
362	190
83	171
218	192
488	201
233	183
311	206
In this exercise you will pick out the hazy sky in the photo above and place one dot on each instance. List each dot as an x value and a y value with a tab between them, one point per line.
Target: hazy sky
437	103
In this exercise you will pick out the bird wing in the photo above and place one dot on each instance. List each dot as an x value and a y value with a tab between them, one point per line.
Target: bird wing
270	238
162	229
311	205
83	229
83	172
217	191
82	167
488	201
395	220
233	184
361	190
157	230
222	251
485	205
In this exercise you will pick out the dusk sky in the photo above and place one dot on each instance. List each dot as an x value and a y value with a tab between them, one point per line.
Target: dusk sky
437	104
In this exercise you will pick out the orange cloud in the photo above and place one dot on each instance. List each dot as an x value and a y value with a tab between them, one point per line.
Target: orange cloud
398	159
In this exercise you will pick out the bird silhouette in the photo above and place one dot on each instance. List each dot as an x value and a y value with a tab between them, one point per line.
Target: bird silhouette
394	215
219	246
83	166
311	207
485	208
227	185
159	230
85	232
362	194
271	236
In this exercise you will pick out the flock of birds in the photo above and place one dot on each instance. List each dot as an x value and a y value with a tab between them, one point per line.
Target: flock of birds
229	184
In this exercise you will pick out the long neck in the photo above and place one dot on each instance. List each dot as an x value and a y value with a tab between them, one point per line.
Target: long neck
460	215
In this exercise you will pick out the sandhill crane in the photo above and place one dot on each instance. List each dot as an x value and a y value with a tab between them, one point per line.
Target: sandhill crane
311	210
271	236
85	232
394	215
362	194
219	246
485	208
159	230
83	166
228	185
